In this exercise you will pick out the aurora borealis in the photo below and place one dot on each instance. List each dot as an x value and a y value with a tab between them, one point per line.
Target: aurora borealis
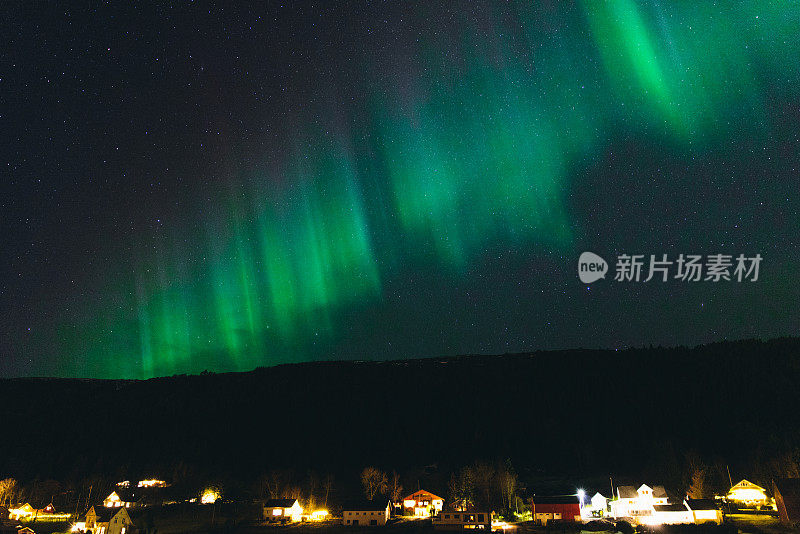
195	188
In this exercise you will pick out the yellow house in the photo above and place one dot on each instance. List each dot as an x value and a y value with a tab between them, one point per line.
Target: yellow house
745	493
283	510
104	520
26	511
121	499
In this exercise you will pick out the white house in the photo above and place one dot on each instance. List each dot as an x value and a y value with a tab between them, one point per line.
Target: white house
626	501
634	503
283	510
597	508
668	514
366	513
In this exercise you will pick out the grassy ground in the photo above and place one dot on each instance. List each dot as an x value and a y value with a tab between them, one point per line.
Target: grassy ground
402	526
224	520
48	527
757	524
202	524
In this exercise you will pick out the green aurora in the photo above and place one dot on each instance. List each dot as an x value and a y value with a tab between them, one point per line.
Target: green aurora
439	162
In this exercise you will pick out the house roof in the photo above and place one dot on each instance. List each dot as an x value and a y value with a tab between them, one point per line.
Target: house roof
669	507
627	492
280	503
659	492
555	499
366	506
422	493
126	495
124	512
746	484
103	514
702	504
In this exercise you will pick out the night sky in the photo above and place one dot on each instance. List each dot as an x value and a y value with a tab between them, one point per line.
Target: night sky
198	187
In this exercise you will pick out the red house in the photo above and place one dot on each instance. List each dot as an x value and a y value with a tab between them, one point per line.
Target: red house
559	508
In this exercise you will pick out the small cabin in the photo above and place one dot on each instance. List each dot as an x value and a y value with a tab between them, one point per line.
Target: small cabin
282	511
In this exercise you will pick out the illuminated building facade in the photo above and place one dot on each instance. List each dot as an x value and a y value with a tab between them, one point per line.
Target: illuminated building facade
103	520
704	511
545	509
366	513
463	520
423	504
152	483
747	494
632	502
121	498
26	511
283	510
598	507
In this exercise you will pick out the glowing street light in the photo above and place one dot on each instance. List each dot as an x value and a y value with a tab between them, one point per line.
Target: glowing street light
209	496
319	515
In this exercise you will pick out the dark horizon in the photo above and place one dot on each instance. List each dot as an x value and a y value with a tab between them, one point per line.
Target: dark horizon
645	413
428	359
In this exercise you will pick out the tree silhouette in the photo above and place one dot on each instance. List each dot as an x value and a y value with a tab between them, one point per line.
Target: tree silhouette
374	481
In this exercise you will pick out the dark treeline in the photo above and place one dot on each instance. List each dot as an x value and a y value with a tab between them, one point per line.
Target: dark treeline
679	417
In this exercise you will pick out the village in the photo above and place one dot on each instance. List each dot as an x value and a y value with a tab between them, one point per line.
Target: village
141	507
